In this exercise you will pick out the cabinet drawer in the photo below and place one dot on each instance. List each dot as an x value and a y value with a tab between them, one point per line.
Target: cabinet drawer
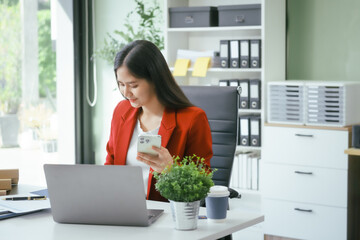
312	147
311	222
304	184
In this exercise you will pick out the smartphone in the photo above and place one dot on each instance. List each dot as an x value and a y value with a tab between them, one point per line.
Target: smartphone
145	143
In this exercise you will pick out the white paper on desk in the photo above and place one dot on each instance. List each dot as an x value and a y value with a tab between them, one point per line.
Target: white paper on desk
3	210
24	206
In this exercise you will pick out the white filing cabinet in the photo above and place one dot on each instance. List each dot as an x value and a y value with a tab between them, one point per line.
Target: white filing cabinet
304	174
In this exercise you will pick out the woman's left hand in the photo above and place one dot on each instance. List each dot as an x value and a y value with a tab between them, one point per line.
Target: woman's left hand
157	162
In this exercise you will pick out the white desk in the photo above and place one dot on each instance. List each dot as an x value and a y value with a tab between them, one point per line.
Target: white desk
41	225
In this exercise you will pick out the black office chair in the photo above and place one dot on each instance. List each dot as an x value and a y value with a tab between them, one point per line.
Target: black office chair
221	107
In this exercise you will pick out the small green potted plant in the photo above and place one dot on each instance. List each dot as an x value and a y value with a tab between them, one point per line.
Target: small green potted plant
185	183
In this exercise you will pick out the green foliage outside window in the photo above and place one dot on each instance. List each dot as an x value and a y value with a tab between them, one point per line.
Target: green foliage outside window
47	57
10	57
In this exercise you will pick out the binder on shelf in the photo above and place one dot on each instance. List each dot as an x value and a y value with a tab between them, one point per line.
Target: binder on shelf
245	172
255	131
255	172
234	54
248	170
235	172
244	95
255	94
223	83
244	53
234	82
224	53
241	170
244	130
255	53
215	61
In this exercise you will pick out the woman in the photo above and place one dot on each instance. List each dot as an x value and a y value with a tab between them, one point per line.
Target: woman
154	104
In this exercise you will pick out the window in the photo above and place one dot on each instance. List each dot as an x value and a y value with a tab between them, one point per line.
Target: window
36	85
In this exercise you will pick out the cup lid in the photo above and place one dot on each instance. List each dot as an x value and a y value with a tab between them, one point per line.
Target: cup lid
218	191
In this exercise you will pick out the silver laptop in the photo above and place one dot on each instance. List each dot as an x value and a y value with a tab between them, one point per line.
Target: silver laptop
94	194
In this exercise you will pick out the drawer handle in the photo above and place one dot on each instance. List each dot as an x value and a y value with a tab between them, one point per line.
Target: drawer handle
240	19
189	19
303	210
304	135
300	172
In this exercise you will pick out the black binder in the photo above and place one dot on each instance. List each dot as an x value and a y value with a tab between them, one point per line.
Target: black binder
244	95
244	130
234	54
224	53
223	83
255	94
234	82
255	131
244	53
255	53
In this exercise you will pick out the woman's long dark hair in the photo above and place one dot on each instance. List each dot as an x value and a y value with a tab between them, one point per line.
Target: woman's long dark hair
144	60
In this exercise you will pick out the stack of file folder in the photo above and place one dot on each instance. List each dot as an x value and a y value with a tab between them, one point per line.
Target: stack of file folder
332	103
286	102
250	93
245	172
242	53
14	208
249	130
313	103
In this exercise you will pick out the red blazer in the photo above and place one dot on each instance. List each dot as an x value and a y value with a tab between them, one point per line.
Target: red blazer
184	132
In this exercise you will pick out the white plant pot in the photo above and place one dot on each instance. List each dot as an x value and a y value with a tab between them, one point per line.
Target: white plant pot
9	130
185	214
49	146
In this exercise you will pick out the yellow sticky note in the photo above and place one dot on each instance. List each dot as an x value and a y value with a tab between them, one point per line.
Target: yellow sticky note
200	67
181	67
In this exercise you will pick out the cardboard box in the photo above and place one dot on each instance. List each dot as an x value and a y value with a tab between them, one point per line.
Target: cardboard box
2	192
12	174
5	184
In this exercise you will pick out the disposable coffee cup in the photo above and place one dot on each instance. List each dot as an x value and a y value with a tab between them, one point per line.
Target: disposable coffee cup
217	202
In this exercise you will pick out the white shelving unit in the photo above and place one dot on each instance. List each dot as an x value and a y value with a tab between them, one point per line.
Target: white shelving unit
272	35
271	32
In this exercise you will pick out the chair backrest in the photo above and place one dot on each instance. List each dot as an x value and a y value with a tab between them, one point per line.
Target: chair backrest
221	107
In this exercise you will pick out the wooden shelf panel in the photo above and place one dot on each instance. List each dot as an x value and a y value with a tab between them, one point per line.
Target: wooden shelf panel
353	151
346	128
